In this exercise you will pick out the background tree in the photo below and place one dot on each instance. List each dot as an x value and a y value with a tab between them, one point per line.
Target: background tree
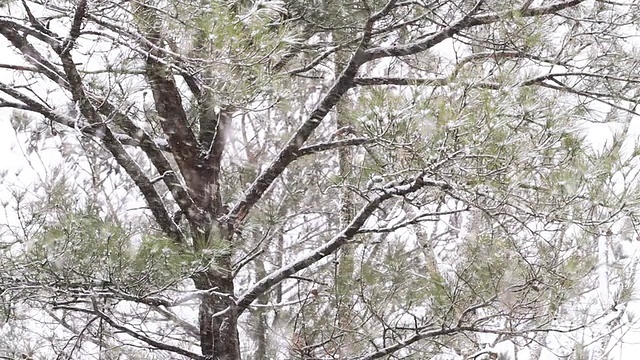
319	179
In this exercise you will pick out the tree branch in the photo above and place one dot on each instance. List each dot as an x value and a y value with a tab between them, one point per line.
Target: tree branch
135	334
413	48
316	148
87	109
168	104
135	137
407	342
290	152
336	242
154	151
466	22
374	81
417	219
74	33
10	31
599	97
101	131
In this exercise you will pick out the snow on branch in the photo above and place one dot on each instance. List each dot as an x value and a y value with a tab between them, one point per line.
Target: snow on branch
351	230
316	148
127	140
427	216
471	19
99	129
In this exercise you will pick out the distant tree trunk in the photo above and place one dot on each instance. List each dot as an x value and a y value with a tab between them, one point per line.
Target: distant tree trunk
345	264
259	330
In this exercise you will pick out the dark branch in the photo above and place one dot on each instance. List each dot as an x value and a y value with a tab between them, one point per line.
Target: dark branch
135	334
466	22
413	48
168	104
156	205
291	150
101	131
408	342
95	105
431	216
313	149
10	30
155	153
336	242
370	81
76	23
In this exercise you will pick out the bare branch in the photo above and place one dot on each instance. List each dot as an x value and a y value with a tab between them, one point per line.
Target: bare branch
153	149
9	30
190	329
87	109
74	33
136	136
599	97
372	81
413	48
19	67
407	342
290	152
417	219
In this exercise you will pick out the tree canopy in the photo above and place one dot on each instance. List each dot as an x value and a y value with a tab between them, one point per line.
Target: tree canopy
319	179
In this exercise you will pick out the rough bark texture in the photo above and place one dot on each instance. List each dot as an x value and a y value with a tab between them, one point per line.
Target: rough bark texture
199	160
218	333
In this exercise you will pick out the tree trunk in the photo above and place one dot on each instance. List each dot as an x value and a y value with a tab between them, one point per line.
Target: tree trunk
218	334
260	327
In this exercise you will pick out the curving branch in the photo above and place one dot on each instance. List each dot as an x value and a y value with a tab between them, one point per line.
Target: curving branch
154	150
87	109
135	136
593	95
15	33
339	240
100	130
134	334
417	219
291	150
471	19
419	46
384	352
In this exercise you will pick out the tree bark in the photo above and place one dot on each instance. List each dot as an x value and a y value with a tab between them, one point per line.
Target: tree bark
219	338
